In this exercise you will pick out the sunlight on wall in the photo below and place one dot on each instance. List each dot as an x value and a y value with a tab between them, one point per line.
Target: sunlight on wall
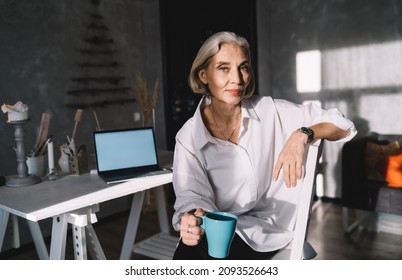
383	112
308	71
359	67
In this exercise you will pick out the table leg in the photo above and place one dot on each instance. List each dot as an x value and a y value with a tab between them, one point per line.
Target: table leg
59	236
132	226
79	242
38	240
4	215
4	219
94	247
16	231
162	214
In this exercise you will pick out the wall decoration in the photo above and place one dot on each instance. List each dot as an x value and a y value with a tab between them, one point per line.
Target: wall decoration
99	81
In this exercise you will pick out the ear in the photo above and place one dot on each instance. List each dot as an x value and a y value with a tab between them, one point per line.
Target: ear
202	76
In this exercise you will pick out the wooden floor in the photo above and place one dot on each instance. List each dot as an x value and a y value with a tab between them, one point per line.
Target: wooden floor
325	234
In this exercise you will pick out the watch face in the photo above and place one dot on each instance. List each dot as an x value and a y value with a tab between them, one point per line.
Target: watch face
309	132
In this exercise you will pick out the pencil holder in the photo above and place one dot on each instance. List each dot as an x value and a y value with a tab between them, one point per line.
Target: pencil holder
78	164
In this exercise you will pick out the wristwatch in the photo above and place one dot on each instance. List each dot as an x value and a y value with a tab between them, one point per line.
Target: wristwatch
309	132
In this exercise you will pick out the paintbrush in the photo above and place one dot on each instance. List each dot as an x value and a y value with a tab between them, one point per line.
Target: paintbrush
43	131
98	128
77	119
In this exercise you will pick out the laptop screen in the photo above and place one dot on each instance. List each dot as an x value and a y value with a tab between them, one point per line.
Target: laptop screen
123	149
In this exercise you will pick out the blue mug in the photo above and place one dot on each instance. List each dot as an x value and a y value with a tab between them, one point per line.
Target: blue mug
219	229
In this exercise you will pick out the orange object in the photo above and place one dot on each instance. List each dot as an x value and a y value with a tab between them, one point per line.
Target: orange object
393	173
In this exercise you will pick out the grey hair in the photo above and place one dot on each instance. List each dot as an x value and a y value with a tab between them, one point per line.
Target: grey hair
204	56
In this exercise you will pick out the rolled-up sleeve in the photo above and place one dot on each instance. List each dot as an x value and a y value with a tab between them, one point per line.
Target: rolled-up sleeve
335	117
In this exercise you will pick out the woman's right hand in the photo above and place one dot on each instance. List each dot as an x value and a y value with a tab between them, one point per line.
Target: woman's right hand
190	233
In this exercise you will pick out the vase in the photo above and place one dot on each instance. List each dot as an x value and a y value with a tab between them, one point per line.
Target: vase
148	117
63	162
36	165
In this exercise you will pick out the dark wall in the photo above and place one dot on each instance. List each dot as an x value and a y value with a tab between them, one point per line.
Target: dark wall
40	54
40	43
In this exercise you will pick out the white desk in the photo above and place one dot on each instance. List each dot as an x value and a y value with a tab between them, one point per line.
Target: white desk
75	199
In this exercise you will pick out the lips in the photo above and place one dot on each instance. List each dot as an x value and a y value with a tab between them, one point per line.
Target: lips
234	91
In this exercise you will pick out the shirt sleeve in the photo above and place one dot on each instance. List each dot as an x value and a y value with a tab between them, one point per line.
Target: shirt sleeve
313	114
335	117
190	183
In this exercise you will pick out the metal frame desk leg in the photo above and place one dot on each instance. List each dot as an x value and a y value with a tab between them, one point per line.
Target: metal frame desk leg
4	219
82	231
34	229
84	236
16	231
161	207
4	215
59	236
38	240
79	242
132	226
95	249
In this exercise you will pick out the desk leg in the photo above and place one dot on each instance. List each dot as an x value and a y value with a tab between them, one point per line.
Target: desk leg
94	247
162	214
79	242
16	231
38	240
59	236
4	215
4	218
132	226
84	238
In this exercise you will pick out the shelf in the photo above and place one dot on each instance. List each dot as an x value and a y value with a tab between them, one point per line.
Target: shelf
103	103
112	80
160	246
94	91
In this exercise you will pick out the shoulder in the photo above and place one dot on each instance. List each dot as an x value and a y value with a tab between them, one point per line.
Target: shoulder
259	103
184	133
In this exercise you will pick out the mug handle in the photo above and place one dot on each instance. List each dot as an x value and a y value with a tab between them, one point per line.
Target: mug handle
202	225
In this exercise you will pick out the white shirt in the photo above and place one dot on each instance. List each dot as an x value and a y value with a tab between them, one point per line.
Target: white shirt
217	175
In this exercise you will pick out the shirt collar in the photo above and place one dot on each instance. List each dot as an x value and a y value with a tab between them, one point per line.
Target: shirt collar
201	134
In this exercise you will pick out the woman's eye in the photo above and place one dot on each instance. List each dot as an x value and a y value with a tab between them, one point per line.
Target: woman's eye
224	69
244	68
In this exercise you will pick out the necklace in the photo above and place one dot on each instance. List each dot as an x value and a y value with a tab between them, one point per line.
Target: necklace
219	128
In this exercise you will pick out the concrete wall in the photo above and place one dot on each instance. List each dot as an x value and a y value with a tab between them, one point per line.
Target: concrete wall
39	54
40	42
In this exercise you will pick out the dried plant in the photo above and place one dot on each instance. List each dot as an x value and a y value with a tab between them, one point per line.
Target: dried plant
141	93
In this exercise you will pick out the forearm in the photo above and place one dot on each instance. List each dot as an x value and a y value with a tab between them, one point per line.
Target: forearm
328	131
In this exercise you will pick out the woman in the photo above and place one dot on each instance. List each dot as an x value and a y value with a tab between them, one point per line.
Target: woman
242	153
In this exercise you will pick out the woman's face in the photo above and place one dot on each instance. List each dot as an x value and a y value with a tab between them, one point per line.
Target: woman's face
228	74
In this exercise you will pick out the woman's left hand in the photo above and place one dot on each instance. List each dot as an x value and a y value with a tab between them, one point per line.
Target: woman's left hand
291	159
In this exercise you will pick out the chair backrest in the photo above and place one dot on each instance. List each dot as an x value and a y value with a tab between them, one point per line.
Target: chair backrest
299	248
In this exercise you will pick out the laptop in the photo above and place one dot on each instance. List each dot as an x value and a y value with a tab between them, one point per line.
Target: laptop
126	154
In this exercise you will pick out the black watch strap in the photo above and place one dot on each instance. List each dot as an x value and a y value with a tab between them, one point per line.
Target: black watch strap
309	132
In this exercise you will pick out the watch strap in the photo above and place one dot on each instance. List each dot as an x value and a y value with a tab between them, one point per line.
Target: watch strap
309	132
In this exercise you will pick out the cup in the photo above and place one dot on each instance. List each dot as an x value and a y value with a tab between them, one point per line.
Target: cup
219	229
36	166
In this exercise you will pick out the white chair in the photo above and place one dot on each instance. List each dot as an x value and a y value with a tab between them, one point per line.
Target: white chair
299	248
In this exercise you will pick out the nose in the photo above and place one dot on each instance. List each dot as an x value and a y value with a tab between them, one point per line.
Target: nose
237	77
